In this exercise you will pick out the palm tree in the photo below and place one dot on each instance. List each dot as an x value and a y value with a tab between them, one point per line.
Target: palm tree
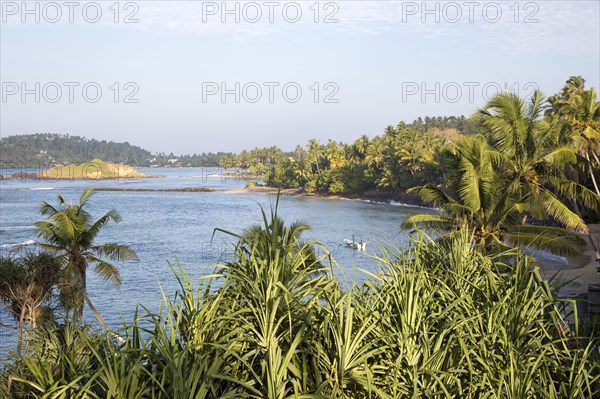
375	152
70	233
477	200
390	131
362	145
301	170
416	151
535	168
334	155
314	154
578	111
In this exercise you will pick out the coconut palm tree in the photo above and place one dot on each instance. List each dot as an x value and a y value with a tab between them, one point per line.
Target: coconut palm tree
70	232
536	164
375	152
314	154
578	112
301	170
476	199
361	145
334	154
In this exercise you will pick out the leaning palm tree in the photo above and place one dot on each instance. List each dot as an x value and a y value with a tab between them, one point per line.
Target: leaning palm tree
70	232
475	199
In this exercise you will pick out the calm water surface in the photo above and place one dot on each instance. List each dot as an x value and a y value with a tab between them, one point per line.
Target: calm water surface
165	227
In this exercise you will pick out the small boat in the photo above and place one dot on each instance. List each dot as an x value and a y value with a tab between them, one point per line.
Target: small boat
358	245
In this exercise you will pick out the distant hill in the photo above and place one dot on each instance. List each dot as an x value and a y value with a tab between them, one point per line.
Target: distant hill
45	150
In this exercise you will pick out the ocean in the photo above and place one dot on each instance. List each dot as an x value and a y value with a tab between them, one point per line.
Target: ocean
171	227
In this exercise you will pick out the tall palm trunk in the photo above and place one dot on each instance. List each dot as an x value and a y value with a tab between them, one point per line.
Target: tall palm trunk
80	278
81	271
95	311
101	320
587	157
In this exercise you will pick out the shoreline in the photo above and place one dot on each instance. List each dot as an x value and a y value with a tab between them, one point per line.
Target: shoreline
160	190
23	176
37	177
581	270
373	196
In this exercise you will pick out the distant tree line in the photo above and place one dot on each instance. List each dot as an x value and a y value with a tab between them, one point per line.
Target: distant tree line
43	150
561	132
49	149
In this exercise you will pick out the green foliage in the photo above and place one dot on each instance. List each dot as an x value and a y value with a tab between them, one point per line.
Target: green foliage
70	233
402	157
44	150
509	182
439	321
60	362
459	123
494	214
27	284
92	170
28	290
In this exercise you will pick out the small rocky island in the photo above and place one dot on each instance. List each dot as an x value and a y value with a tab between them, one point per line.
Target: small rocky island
95	170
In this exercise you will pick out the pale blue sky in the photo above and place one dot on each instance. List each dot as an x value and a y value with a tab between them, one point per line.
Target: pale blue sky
379	55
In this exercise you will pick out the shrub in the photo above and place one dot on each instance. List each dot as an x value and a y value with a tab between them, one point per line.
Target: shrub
439	321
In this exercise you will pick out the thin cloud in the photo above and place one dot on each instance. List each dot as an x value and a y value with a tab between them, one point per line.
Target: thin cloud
519	27
513	27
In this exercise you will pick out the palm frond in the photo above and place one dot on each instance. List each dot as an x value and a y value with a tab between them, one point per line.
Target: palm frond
576	191
85	196
115	252
92	231
46	209
106	271
557	244
558	211
431	195
560	157
427	221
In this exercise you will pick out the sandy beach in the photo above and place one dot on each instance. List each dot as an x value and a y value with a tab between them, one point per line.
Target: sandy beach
582	270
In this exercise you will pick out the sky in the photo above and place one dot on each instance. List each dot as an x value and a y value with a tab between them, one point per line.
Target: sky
202	76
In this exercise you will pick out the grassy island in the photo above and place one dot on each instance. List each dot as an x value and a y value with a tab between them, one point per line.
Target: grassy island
95	170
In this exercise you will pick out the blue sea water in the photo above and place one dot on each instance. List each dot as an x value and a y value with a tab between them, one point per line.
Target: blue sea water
167	227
